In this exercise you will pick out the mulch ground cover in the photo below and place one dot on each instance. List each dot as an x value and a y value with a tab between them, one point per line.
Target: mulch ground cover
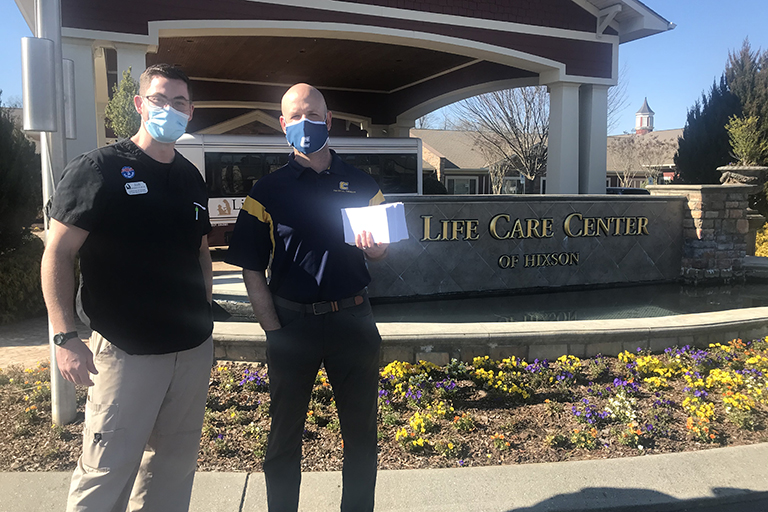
478	413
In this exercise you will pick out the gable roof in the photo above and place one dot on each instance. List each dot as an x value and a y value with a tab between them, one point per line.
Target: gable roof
668	136
461	152
457	147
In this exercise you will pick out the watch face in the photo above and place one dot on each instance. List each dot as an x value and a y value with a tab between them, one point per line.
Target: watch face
61	338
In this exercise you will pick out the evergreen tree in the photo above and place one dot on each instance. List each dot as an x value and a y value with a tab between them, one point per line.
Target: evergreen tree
120	114
704	145
20	182
747	76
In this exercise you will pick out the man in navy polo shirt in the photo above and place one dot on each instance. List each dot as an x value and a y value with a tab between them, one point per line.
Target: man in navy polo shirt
315	308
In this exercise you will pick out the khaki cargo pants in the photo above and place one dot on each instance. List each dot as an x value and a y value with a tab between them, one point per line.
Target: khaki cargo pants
142	430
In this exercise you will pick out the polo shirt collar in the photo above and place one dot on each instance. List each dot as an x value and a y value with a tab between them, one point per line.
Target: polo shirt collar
337	166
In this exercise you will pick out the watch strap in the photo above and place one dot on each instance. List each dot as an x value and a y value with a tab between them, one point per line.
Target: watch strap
62	337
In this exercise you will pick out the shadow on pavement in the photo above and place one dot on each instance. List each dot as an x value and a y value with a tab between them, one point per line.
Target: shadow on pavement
725	499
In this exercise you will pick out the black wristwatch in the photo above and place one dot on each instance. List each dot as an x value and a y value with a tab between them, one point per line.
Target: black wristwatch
62	337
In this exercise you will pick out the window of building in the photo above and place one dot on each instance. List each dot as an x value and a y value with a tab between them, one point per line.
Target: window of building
233	174
461	185
513	185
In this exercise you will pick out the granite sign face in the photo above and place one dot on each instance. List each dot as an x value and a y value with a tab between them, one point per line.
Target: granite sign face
491	243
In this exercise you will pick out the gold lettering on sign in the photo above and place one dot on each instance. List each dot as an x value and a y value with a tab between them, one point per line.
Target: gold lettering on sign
567	225
472	229
508	260
604	225
618	226
528	228
445	223
450	229
517	230
642	225
493	226
503	227
533	228
576	225
546	227
427	231
458	227
551	259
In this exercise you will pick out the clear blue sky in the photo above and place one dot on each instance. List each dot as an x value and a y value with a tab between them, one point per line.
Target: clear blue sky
671	69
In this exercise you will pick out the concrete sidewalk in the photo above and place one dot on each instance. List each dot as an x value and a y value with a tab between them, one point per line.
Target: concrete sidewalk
722	479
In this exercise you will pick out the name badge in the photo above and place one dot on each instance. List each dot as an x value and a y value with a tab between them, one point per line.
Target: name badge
135	188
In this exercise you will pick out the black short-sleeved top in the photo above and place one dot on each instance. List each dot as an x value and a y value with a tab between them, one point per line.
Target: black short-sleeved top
143	287
293	215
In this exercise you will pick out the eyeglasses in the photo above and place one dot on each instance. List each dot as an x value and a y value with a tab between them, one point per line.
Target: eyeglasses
181	104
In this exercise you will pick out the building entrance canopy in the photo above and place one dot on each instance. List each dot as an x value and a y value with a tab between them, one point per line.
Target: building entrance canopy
380	66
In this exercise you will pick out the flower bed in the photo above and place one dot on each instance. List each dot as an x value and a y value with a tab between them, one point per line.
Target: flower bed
463	414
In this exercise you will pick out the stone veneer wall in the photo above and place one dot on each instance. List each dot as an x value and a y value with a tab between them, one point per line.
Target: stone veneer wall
715	227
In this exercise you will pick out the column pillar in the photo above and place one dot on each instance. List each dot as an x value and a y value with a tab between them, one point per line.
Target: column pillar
593	136
132	56
81	52
563	147
400	129
101	93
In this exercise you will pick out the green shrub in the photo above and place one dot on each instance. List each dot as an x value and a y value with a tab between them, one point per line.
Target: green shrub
20	182
21	295
748	146
120	113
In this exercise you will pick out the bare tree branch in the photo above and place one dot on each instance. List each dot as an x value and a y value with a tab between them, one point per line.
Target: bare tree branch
428	121
512	129
639	156
618	99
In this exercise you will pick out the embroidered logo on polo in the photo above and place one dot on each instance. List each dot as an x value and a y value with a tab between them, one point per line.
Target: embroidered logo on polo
344	187
136	188
127	172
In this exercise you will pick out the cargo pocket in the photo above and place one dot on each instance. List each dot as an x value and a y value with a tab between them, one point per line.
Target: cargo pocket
102	442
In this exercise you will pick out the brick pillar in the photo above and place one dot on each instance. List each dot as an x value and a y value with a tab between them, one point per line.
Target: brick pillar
715	227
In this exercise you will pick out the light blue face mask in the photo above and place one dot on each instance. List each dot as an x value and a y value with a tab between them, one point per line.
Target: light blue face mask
307	136
165	124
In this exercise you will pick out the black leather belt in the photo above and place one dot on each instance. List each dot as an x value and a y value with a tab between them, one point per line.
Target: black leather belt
321	308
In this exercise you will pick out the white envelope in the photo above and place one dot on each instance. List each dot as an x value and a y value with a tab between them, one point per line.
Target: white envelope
386	222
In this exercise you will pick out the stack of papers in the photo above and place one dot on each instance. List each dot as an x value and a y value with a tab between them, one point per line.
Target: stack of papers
386	222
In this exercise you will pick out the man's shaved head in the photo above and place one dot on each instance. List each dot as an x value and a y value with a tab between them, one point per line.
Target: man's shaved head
303	99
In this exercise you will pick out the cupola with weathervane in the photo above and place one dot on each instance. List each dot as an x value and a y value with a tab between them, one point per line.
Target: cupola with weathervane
644	119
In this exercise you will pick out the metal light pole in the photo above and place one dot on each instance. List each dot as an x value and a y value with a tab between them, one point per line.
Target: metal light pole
50	121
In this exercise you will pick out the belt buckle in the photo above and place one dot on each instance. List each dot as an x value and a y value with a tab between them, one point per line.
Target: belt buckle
330	306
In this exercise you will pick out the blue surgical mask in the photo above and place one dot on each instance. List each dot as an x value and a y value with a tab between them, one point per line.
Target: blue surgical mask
307	136
165	124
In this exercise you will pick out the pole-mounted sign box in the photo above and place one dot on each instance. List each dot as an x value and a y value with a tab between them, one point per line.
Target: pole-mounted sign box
38	84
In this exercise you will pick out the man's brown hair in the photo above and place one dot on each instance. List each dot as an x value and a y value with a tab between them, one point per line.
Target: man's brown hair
166	71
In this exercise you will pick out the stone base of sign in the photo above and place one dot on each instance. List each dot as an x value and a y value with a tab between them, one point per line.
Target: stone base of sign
756	221
715	228
441	342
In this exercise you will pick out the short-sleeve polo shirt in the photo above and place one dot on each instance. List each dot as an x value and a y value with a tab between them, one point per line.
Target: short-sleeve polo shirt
291	222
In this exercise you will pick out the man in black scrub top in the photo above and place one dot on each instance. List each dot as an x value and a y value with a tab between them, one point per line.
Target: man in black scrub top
136	212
